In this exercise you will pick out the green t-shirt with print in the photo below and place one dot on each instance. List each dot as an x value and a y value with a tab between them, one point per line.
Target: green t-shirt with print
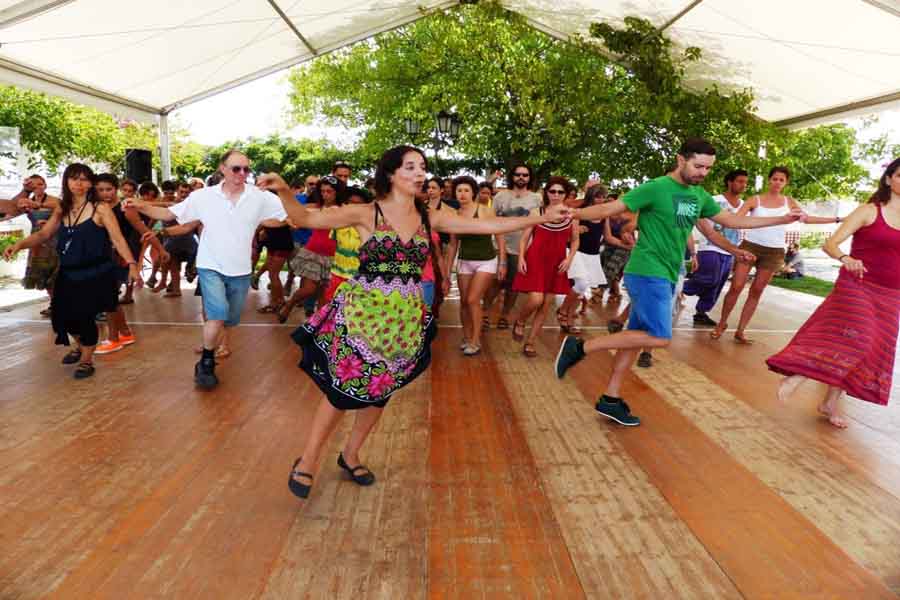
667	211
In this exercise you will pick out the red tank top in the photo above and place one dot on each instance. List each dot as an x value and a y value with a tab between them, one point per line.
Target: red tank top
878	246
321	243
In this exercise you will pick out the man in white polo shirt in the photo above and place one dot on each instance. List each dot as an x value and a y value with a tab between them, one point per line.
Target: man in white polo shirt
230	213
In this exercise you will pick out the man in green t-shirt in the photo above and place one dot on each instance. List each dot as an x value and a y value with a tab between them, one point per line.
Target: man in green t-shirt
667	207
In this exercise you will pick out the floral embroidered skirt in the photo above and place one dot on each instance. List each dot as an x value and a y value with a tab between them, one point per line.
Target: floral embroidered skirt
850	342
372	339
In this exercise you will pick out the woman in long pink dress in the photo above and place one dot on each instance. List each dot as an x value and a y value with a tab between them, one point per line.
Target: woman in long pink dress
851	342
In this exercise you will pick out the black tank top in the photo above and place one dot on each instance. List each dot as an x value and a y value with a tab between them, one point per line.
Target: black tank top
84	249
589	242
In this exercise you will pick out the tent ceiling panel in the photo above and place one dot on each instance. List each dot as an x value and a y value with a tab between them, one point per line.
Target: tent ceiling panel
800	57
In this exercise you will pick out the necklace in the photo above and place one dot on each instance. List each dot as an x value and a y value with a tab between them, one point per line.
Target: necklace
69	232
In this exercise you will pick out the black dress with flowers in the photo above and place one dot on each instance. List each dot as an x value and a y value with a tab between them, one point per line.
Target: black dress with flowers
375	335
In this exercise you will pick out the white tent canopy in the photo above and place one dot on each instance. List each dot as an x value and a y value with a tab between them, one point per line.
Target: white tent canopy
806	60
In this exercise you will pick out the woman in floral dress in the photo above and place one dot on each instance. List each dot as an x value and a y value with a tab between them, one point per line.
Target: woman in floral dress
374	337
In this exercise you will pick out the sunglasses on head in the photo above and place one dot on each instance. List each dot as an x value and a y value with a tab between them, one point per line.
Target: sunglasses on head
330	180
238	169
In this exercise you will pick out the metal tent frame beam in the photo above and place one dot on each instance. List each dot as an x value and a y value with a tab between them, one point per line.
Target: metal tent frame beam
293	27
680	14
843	110
292	62
74	86
27	9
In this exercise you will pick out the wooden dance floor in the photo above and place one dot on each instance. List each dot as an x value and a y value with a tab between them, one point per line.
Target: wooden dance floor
495	480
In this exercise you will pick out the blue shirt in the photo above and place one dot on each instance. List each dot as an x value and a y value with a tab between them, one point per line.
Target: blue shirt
301	236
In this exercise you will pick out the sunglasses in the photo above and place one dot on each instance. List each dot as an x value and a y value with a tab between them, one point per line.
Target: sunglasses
556	192
521	175
330	180
245	170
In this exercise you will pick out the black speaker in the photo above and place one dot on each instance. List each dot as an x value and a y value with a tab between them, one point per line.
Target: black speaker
138	165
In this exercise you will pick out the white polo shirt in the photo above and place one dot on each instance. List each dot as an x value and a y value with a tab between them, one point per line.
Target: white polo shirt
228	227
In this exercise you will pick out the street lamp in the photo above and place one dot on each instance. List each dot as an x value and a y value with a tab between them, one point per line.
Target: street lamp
412	126
448	126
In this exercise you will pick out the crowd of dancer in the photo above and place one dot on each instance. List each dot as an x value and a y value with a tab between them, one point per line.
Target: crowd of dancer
375	262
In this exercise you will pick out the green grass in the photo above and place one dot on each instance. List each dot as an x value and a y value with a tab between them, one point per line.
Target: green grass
807	285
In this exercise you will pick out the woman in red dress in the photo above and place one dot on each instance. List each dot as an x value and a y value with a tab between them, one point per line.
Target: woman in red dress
543	264
850	343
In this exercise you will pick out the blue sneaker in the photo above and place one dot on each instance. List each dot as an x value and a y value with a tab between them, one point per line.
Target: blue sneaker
617	410
571	351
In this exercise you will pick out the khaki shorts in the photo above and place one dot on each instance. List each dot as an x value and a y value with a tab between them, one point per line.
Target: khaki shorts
767	259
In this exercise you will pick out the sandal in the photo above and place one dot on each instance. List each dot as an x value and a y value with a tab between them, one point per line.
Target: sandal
84	371
364	478
270	308
518	331
301	490
72	357
502	323
718	331
485	322
172	295
221	352
741	339
283	316
529	350
565	325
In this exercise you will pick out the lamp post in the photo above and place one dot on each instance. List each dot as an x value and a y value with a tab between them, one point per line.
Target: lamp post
448	126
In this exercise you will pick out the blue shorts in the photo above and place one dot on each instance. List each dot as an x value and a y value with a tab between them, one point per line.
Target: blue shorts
428	292
223	296
651	304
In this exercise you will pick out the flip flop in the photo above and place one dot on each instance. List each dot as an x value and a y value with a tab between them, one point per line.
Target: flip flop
529	351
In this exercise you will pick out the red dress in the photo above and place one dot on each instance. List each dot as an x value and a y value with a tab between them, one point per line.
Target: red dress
549	242
851	340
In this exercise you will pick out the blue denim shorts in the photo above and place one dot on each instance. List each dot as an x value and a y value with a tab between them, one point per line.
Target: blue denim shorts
651	304
428	292
223	296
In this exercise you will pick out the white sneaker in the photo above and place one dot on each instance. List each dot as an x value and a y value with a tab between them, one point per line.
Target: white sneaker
471	350
464	345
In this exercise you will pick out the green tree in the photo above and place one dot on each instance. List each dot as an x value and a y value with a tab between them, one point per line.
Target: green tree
566	107
54	130
615	102
293	159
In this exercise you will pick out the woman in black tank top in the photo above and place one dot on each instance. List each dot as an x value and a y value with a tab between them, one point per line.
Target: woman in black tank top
86	285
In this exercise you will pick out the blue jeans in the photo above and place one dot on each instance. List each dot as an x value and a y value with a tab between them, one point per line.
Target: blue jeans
651	304
708	280
223	296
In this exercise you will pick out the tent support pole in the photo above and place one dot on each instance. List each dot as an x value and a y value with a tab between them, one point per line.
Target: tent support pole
293	27
165	157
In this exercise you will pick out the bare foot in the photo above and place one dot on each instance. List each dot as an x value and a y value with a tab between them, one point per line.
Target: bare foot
788	386
835	419
718	331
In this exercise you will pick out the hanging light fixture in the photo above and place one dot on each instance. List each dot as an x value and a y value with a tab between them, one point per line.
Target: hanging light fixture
412	126
443	121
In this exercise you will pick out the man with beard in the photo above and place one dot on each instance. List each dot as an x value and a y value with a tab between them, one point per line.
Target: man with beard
516	201
668	207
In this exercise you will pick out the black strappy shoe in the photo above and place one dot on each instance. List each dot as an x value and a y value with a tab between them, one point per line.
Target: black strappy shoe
84	371
367	477
301	490
72	357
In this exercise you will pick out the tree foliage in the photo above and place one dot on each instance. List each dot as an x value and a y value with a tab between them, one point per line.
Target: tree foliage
615	103
293	159
55	131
